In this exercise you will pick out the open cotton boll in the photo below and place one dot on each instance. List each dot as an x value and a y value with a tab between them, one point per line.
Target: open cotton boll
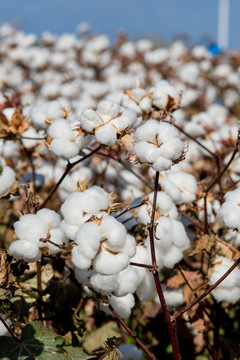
123	305
225	294
89	119
106	263
220	267
104	284
172	149
79	260
7	178
130	352
108	109
113	230
162	164
173	297
127	281
180	186
126	120
31	133
83	276
164	232
72	210
64	148
68	229
49	217
31	228
60	129
172	256
94	199
179	235
25	250
129	247
88	239
106	135
147	131
229	214
146	152
146	288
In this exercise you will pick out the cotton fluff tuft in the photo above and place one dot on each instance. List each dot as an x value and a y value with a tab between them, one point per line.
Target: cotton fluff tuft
164	95
158	144
25	250
108	121
3	329
180	186
7	178
229	289
229	212
122	305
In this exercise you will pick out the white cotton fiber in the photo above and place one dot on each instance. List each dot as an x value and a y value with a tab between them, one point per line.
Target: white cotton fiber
173	297
130	352
123	305
229	214
146	288
127	281
89	120
31	228
106	135
104	284
72	210
94	200
108	264
25	250
83	276
79	260
68	229
129	247
164	232
60	129
58	237
162	164
179	235
113	230
3	329
108	109
147	131
7	178
172	256
49	217
64	148
172	149
88	239
146	152
225	294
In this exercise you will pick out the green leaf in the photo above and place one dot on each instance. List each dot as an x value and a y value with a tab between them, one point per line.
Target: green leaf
39	343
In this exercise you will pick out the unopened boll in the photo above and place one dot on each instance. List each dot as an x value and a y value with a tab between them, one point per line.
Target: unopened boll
158	144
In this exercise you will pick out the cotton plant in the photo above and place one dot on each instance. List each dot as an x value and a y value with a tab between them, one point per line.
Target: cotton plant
36	231
108	122
229	289
158	144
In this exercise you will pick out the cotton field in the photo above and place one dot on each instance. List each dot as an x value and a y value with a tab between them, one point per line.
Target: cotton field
119	188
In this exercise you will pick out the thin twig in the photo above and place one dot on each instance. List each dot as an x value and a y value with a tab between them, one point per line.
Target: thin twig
39	288
188	307
135	338
67	170
141	265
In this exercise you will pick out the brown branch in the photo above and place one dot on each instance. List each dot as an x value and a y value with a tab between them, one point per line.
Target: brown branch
135	338
188	307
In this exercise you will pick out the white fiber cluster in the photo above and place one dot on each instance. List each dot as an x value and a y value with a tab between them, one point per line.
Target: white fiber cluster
3	329
130	352
180	186
158	144
138	100
171	241
39	115
106	247
173	297
80	206
30	229
164	95
122	305
229	289
229	212
109	120
7	178
164	207
65	142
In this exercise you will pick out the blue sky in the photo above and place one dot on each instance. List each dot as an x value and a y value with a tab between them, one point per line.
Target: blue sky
162	18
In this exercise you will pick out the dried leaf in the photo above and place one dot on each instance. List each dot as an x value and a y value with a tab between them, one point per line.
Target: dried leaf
201	245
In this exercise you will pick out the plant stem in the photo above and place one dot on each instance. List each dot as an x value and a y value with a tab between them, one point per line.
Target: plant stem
39	288
67	170
135	338
171	323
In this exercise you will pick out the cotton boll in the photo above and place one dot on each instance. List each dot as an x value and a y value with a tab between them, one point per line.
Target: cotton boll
127	281
108	109
7	178
229	214
25	250
129	247
94	200
3	329
31	133
146	152
226	294
106	135
113	230
60	129
104	284
49	217
88	239
68	229
173	297
130	352
162	164
147	131
164	232
79	260
106	263
83	276
173	149
83	141
221	265
172	256
31	228
123	305
72	210
89	120
179	235
146	288
64	148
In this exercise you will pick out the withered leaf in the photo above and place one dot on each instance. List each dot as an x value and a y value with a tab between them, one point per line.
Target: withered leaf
7	279
18	123
201	245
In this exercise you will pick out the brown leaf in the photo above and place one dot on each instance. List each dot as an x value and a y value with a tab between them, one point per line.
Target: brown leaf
18	123
201	245
7	279
227	250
